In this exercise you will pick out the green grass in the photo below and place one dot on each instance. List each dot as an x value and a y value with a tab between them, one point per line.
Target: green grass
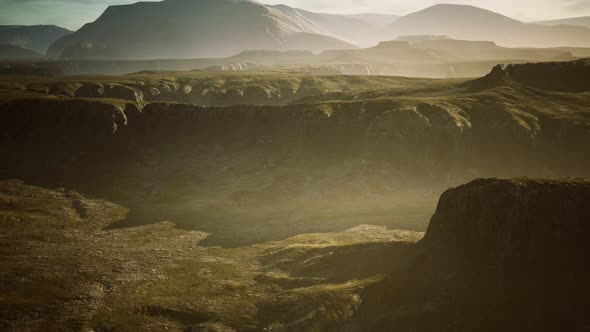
75	274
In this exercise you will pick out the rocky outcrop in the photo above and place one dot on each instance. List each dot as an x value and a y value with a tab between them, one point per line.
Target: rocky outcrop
521	219
190	91
553	76
426	135
498	255
110	91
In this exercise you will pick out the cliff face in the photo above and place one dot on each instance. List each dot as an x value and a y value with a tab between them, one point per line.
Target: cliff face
435	137
503	220
553	76
498	255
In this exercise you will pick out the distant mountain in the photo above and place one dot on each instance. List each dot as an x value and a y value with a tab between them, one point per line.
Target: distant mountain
577	21
376	19
16	52
190	29
411	56
34	37
360	29
473	23
468	50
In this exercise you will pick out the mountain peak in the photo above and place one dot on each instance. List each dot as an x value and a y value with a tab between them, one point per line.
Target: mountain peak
460	10
191	29
473	23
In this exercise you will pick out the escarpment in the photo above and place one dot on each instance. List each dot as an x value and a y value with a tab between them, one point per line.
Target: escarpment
555	76
498	255
501	220
438	137
329	147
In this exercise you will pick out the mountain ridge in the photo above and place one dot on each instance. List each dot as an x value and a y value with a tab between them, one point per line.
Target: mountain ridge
359	29
203	28
207	28
474	23
17	52
583	21
37	38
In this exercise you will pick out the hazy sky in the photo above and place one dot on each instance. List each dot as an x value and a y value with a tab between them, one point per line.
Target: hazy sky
74	13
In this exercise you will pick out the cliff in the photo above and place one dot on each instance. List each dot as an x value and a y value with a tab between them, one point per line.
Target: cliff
336	149
553	76
498	255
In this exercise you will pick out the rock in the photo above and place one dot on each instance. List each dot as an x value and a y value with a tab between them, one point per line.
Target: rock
119	91
95	90
513	219
502	129
571	76
401	126
498	255
112	91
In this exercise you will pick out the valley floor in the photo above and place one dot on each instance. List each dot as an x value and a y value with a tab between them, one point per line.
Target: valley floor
62	270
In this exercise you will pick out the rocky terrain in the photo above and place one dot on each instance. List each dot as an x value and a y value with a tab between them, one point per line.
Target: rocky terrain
63	270
498	255
295	152
226	165
554	76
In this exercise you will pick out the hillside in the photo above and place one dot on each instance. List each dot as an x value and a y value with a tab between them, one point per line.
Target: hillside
453	50
17	52
293	199
473	23
410	56
515	245
381	20
34	37
362	29
203	28
577	21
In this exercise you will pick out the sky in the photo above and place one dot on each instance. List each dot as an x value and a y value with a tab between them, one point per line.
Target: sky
72	14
